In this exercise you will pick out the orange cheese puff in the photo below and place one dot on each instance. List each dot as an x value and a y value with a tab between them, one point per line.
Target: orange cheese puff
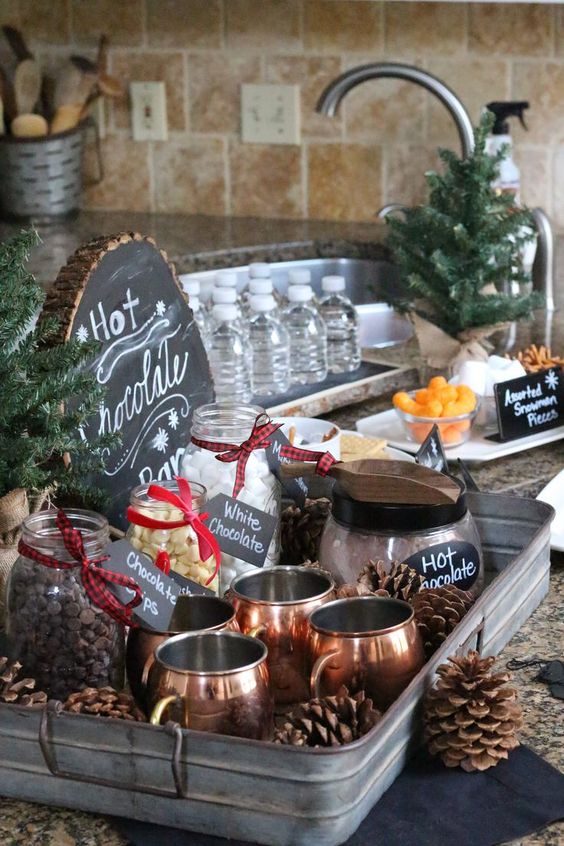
420	431
453	409
448	394
437	382
434	408
466	404
401	399
450	435
465	391
462	425
422	396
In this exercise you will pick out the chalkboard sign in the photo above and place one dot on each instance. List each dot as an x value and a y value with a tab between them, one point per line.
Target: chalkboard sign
123	292
455	563
431	453
296	489
530	404
240	529
159	591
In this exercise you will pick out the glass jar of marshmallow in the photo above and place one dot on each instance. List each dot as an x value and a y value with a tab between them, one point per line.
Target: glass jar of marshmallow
232	423
177	548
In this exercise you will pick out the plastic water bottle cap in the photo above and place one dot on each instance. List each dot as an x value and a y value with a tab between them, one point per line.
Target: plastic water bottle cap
299	276
260	286
224	296
300	293
190	286
224	312
332	284
263	302
226	279
259	270
194	302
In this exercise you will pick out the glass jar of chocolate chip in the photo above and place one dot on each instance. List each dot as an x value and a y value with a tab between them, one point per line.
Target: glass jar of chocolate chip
63	639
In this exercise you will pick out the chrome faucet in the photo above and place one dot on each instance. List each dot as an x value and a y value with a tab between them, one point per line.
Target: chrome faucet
330	100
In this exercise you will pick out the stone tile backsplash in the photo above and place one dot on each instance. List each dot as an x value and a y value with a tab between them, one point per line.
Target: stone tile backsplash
375	151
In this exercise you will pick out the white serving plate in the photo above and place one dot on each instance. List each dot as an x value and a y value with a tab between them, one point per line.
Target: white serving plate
478	448
553	494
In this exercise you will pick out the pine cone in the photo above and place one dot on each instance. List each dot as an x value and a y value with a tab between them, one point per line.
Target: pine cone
331	721
437	612
471	718
104	702
301	530
401	582
18	691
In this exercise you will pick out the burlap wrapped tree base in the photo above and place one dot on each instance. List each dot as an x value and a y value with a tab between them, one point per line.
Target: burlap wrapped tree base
14	508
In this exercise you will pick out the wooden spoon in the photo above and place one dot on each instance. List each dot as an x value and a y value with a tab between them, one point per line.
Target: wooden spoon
27	76
375	480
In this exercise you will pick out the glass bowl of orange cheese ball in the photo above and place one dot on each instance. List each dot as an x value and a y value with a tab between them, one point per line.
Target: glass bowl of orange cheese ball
452	407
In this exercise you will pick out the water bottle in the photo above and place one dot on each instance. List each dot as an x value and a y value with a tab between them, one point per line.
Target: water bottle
201	318
308	337
229	358
270	347
299	276
341	319
259	286
259	270
228	296
226	279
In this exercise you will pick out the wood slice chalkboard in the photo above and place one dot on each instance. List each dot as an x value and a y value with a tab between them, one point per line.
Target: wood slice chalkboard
122	291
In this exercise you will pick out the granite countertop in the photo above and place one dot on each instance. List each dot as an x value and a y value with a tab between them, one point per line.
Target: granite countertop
202	242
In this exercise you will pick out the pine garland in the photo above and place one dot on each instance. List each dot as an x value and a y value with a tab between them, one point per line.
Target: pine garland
453	252
40	442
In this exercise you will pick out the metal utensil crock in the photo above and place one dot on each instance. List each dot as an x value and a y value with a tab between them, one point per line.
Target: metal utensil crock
369	643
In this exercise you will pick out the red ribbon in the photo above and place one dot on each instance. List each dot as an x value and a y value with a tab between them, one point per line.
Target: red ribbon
258	439
324	460
207	544
94	577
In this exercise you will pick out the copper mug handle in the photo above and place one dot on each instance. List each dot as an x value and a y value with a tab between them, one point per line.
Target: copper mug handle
146	668
158	710
257	631
317	672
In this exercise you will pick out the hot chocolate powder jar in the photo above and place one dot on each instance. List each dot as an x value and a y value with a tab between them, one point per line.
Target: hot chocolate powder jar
441	542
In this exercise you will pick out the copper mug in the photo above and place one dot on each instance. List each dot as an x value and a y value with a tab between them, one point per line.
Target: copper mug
213	681
369	643
274	605
191	613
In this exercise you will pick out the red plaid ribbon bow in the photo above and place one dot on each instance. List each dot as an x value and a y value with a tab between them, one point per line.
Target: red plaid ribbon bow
207	544
94	577
258	439
324	460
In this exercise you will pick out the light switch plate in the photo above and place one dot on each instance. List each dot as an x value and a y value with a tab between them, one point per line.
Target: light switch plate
148	111
270	114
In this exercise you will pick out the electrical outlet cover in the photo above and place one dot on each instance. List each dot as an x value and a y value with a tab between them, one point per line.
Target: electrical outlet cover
148	111
270	114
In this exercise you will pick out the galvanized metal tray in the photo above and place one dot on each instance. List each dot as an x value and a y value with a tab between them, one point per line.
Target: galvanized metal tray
275	795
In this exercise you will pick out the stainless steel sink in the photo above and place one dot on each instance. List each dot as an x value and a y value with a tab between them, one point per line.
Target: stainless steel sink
369	284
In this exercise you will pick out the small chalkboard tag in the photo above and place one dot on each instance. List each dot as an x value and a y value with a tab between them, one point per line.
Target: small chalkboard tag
159	591
431	453
296	489
530	404
240	529
187	586
456	563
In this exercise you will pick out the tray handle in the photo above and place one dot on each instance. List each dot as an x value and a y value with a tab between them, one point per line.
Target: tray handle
55	708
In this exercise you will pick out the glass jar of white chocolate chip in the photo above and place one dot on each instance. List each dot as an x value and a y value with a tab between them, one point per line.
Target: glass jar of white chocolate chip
232	423
178	547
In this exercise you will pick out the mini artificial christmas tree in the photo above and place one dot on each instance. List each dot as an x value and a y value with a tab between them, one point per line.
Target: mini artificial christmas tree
41	450
460	255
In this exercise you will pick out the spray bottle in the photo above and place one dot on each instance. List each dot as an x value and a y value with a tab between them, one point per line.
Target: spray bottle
509	179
